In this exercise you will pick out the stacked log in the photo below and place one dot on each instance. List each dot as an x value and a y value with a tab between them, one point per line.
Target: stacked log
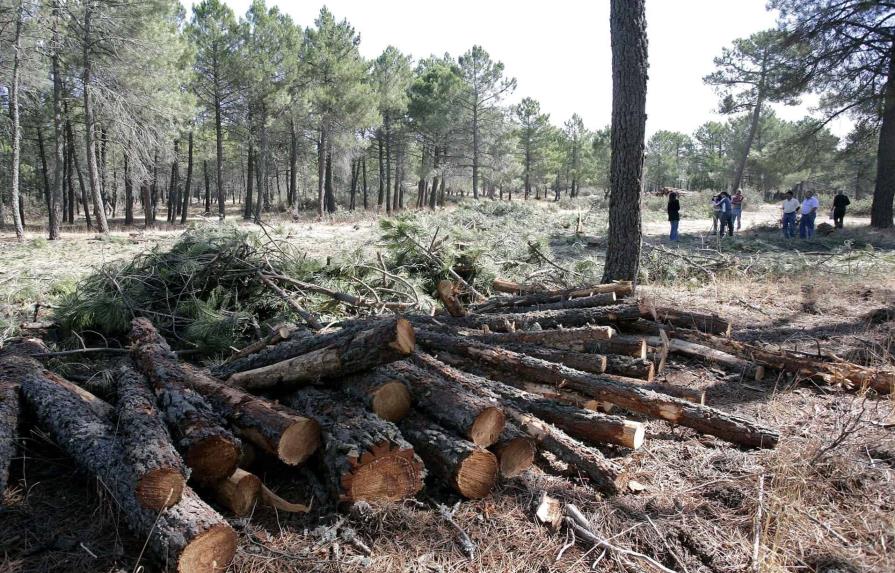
575	317
710	323
515	451
620	288
382	394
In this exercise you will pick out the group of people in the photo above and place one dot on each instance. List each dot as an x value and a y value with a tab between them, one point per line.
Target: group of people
727	210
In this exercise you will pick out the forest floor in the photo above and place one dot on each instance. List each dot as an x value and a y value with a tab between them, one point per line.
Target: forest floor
821	501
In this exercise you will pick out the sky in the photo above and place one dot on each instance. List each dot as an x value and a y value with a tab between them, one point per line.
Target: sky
559	50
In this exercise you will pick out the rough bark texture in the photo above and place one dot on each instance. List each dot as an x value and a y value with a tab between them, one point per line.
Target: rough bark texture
452	405
711	323
161	473
603	299
595	363
470	470
9	420
545	318
187	537
730	427
884	190
627	23
528	295
275	429
628	366
382	394
365	457
634	346
344	352
208	448
515	451
568	338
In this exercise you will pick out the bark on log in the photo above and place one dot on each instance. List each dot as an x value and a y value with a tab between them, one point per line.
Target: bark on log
450	404
601	315
595	363
567	339
730	427
365	457
515	451
634	346
711	323
628	366
189	536
361	351
748	369
381	393
9	420
279	334
470	470
603	299
447	293
297	346
606	475
208	448
161	474
275	429
239	493
620	288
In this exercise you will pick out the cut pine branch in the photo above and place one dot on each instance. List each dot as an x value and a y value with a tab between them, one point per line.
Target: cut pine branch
209	449
470	470
190	534
146	442
730	427
365	457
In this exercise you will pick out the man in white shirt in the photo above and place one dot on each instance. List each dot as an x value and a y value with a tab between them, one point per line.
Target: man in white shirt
790	208
810	205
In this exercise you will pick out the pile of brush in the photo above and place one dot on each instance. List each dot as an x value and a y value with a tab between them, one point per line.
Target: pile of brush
375	406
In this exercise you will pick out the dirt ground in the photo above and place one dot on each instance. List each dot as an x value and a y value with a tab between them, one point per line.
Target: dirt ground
821	501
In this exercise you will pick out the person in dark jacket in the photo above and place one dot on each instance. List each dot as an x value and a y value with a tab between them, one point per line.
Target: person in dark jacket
674	214
840	202
726	213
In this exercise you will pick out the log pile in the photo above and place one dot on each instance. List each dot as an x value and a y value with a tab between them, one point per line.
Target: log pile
382	407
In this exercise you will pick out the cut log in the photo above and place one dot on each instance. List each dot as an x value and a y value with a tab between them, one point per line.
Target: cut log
515	451
190	535
447	293
275	429
730	427
595	363
9	420
607	476
452	405
208	448
621	288
160	472
365	457
298	346
382	394
470	470
748	369
567	338
360	351
601	315
278	335
627	366
634	346
239	493
603	299
711	323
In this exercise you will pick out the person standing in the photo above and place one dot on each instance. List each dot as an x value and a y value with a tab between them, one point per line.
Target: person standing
716	209
725	213
810	205
737	203
674	214
790	208
840	202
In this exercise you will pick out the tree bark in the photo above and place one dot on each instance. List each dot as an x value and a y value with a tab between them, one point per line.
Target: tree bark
207	188
77	166
365	457
57	194
99	212
292	197
470	470
730	427
529	295
629	367
711	323
219	140
603	299
634	346
250	184
189	180
174	184
884	190
16	126
208	448
450	404
52	212
567	339
547	319
352	349
128	192
321	171
364	167
161	473
383	394
627	23
593	363
189	534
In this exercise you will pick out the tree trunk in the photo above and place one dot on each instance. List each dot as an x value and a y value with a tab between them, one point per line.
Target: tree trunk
451	405
16	126
250	183
365	457
329	192
291	196
753	128
364	167
704	419
219	142
321	171
629	74
388	167
189	180
74	161
358	351
475	151
70	180
435	166
52	211
128	192
153	197
208	448
207	188
383	394
57	195
355	166
190	533
146	443
174	184
99	211
470	470
884	191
